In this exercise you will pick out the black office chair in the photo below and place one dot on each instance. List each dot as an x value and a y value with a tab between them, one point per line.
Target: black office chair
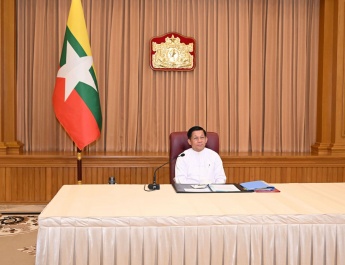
179	143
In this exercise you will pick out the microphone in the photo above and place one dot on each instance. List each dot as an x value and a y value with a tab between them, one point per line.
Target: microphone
154	185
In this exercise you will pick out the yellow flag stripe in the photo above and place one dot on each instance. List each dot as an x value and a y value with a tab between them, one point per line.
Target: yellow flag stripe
76	24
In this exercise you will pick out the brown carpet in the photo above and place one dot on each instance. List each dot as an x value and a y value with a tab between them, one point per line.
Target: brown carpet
18	234
18	249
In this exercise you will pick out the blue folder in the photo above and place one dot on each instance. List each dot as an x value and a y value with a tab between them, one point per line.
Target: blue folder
257	185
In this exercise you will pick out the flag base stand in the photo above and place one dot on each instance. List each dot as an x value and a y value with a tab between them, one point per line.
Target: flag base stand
79	167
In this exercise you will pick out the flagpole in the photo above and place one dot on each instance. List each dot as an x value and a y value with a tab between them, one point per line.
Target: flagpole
79	168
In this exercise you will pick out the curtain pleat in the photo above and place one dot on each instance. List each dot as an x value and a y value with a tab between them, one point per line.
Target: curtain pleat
255	80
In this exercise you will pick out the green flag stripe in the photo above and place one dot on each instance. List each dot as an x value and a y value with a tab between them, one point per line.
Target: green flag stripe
91	99
93	74
74	43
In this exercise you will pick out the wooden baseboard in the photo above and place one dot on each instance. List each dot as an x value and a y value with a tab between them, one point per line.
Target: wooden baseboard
36	177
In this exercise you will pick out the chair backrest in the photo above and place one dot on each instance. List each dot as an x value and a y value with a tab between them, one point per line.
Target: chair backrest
179	143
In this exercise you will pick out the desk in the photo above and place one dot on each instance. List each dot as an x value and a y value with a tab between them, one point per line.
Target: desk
123	224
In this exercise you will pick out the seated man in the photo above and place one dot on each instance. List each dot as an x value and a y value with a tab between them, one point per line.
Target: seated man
199	165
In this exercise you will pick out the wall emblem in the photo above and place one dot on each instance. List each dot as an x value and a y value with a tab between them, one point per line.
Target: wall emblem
172	52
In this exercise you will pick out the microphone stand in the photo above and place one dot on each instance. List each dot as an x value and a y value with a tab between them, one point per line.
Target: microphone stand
154	185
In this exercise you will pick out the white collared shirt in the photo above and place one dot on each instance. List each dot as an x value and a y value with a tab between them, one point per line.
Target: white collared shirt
202	167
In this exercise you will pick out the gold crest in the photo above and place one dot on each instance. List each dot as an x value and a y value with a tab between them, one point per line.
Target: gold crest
172	54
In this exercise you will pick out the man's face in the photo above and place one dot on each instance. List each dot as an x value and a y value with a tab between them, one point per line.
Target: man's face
198	140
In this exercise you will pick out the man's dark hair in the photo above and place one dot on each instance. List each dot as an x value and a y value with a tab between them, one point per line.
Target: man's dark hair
193	129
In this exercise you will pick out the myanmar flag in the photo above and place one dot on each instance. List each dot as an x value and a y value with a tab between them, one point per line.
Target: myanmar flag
76	97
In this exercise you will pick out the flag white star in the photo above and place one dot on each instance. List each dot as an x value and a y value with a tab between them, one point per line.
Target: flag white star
76	70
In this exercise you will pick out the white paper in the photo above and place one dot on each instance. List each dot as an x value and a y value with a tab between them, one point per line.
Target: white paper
198	190
224	188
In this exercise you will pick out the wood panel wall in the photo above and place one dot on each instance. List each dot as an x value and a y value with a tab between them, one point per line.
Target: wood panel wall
36	178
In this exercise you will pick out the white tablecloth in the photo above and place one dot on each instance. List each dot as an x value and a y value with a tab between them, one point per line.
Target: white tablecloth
123	224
